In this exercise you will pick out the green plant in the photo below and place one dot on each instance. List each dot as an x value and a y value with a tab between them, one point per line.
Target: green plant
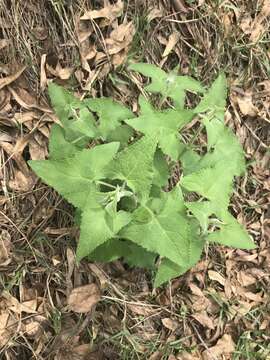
118	184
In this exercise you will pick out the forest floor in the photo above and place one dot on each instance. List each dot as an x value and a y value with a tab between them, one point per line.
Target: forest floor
220	309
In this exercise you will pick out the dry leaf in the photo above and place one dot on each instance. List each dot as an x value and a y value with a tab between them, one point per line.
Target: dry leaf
225	345
120	38
110	12
257	31
245	24
154	13
21	182
83	298
214	275
172	41
9	79
3	43
204	319
26	100
141	310
170	324
5	248
43	75
246	105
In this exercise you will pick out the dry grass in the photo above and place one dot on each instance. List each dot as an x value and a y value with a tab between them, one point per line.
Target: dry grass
226	296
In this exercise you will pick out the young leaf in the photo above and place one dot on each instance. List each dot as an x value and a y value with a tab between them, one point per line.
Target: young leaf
110	114
215	98
73	177
231	233
95	231
163	124
169	85
77	128
201	211
63	102
134	165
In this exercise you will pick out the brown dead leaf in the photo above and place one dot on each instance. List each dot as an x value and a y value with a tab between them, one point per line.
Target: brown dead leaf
214	275
170	324
5	248
20	182
109	12
60	72
3	43
37	151
120	38
26	100
141	309
245	24
154	13
224	346
83	298
245	279
245	104
257	30
9	79
203	318
172	41
43	75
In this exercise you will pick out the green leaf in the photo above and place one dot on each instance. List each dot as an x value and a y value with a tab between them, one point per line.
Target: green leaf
95	231
190	160
168	84
226	148
213	183
168	270
78	128
139	257
166	233
134	165
121	134
133	254
110	113
163	124
73	177
231	233
161	169
201	211
59	147
215	98
63	102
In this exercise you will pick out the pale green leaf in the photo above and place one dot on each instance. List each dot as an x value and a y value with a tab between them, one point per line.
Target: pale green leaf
110	114
201	211
163	124
134	165
224	148
161	169
168	270
166	233
231	233
73	177
215	98
59	147
214	183
168	84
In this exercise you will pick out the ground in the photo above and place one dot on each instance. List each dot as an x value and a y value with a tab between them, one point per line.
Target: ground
220	309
